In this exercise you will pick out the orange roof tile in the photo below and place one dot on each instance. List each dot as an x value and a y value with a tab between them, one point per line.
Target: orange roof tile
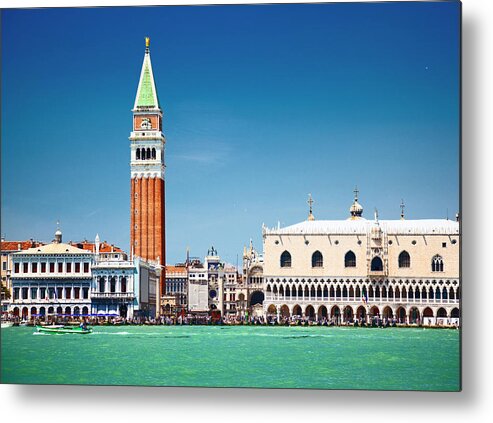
176	269
104	247
19	245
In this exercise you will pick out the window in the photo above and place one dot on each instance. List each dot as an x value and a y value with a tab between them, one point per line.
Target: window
350	259
85	292
60	267
16	293
69	267
34	293
444	245
4	265
68	293
124	285
24	293
76	293
42	293
34	267
285	259
52	267
113	284
43	267
77	267
404	259
138	154
101	284
86	267
437	264
59	293
317	259
25	267
16	267
376	264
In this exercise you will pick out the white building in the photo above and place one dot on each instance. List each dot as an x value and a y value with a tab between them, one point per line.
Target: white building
51	279
344	270
82	279
112	288
198	290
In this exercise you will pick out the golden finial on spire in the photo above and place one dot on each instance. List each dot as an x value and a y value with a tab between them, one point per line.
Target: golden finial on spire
148	42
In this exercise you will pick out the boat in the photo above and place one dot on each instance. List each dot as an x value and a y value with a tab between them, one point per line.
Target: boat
63	329
6	324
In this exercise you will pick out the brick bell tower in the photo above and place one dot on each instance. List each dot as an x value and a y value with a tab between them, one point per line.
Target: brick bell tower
147	141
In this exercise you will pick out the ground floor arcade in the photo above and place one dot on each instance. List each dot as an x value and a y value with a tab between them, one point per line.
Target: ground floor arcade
347	313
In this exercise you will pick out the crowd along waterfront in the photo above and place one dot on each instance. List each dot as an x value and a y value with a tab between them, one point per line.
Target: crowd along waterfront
237	356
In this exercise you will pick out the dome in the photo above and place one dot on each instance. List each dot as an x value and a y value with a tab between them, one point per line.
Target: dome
58	236
356	209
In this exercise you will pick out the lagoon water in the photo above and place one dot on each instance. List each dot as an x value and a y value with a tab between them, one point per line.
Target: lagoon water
236	356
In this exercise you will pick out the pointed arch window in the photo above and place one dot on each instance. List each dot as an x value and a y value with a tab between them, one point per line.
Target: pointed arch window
437	264
286	259
350	259
153	153
317	259
404	259
376	264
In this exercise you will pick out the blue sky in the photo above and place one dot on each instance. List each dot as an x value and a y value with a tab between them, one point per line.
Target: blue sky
263	105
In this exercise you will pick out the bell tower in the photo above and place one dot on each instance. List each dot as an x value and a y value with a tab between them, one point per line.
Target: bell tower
147	193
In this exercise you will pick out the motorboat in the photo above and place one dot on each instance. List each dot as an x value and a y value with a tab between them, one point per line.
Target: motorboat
63	329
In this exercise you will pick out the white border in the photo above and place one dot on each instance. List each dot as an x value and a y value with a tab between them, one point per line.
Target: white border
88	404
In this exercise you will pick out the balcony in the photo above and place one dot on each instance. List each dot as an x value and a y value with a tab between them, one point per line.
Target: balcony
121	296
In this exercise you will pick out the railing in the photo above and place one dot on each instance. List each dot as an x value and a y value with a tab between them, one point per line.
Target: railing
51	301
111	295
359	299
110	263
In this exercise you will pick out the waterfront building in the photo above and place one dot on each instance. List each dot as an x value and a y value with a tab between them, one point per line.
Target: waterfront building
252	295
231	287
112	288
222	284
168	306
215	283
177	286
343	270
147	187
147	282
198	290
51	279
7	249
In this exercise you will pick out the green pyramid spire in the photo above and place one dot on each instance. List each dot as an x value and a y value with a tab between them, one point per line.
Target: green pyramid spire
146	92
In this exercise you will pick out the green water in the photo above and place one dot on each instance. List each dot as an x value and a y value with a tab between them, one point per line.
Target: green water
270	357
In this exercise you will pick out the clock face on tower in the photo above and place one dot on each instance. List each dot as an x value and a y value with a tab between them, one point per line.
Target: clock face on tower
145	124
